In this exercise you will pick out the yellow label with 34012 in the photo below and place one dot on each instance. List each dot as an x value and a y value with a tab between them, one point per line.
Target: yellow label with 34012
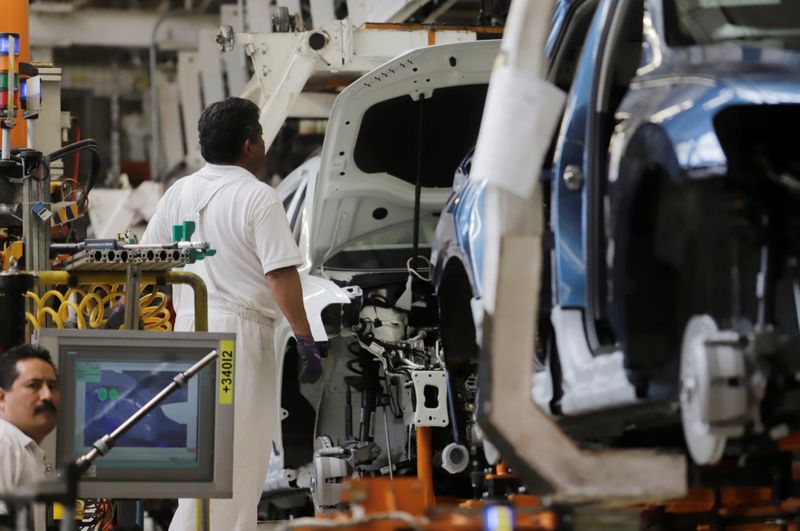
226	369
58	510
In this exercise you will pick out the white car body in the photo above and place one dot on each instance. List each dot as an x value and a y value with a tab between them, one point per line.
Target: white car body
332	202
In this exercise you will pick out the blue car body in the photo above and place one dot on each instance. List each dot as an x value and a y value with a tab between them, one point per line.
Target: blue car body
672	124
460	231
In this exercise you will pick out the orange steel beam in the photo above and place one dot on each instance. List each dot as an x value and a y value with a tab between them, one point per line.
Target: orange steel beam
425	463
14	19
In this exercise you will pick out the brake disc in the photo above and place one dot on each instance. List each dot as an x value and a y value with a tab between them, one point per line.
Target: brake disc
714	398
714	401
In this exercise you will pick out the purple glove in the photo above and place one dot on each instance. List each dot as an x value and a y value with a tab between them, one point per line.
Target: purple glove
309	359
116	318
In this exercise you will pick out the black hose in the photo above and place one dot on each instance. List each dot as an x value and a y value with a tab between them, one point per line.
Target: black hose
348	415
94	171
451	404
72	148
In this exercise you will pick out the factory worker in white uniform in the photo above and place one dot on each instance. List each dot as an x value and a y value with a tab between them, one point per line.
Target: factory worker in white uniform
251	280
29	402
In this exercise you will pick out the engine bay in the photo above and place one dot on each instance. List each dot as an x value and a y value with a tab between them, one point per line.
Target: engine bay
386	377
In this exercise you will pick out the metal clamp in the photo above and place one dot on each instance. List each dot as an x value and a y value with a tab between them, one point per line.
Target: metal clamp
431	394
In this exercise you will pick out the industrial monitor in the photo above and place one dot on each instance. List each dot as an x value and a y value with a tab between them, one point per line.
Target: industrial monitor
183	448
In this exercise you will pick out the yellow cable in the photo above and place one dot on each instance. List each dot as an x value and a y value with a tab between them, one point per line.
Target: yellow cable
147	298
90	310
33	320
63	313
42	309
74	291
34	297
155	317
51	294
95	313
41	302
145	301
40	315
112	297
158	320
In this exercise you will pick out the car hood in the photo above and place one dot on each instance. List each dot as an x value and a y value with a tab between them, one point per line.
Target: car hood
372	154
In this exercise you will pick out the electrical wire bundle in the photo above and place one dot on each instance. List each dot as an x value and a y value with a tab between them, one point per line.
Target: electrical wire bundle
90	308
98	515
89	145
70	187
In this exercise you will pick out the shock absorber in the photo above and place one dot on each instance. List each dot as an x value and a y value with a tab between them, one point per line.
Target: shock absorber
369	396
348	413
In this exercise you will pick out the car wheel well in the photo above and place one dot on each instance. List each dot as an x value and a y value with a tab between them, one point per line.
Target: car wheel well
648	238
297	429
457	327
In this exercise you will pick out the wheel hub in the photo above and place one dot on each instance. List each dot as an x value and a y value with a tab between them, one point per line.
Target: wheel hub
714	396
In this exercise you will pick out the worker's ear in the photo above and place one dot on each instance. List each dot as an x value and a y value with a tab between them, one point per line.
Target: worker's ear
250	147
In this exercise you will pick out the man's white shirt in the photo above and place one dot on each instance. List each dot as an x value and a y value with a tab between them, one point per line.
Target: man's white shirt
246	224
22	462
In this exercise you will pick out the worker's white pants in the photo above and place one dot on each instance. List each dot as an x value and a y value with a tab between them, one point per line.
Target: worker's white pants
254	421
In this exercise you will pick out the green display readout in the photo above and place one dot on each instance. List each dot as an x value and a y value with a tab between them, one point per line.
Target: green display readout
111	393
88	372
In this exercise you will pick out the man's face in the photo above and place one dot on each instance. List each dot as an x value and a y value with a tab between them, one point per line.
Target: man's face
34	398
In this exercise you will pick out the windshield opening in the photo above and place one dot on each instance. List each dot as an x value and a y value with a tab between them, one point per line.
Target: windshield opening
774	23
402	136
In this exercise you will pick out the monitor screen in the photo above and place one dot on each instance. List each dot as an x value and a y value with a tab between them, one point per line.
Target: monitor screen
108	392
180	448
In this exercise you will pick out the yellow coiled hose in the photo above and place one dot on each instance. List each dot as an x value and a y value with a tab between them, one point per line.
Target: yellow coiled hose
90	308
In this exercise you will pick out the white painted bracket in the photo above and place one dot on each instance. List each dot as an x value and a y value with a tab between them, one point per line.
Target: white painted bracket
430	388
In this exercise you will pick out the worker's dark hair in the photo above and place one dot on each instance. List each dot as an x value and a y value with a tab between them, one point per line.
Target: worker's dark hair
223	128
9	359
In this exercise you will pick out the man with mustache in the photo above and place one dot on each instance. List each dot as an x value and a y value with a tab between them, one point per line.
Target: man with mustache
29	402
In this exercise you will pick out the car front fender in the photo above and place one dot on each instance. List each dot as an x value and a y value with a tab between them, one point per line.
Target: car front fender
318	293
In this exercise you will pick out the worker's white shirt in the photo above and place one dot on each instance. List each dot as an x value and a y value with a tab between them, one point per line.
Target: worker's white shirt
22	463
244	221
